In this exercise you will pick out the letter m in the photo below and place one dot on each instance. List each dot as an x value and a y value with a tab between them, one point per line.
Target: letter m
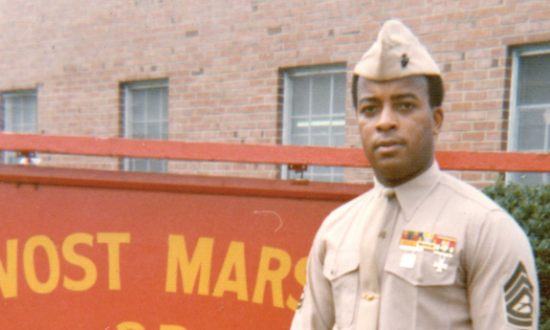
178	259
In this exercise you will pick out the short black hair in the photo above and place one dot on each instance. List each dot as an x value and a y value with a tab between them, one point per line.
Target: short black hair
436	91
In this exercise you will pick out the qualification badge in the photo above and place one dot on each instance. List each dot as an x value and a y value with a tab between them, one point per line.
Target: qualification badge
416	241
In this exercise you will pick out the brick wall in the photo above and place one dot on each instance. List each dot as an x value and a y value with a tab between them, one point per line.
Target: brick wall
224	59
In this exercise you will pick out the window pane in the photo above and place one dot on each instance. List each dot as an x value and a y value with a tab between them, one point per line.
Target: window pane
532	129
320	125
534	81
338	125
148	165
528	178
300	96
28	129
138	106
164	126
300	140
157	165
338	140
325	173
154	104
339	99
16	114
320	140
300	126
320	170
139	165
139	131
29	118
321	92
154	131
29	110
164	104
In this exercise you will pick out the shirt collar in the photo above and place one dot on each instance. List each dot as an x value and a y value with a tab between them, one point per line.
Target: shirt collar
412	193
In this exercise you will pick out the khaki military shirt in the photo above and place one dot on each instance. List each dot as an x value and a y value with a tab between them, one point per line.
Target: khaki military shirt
452	259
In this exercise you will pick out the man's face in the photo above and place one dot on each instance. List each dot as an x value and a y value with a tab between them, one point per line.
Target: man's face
397	127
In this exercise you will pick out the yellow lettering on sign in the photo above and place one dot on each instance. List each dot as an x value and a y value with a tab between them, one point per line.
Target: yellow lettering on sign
300	276
233	259
86	264
130	326
274	276
28	261
113	241
171	327
179	259
137	326
8	275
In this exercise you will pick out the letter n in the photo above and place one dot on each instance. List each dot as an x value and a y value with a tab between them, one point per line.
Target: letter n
8	275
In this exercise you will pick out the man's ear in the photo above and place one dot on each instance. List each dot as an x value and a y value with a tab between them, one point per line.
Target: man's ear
438	116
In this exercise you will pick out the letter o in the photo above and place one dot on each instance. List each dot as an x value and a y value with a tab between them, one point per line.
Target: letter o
53	260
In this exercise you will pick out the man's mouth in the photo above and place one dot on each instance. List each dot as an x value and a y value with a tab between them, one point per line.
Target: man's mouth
388	145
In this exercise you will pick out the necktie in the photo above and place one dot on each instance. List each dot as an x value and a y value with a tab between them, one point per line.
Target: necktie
383	208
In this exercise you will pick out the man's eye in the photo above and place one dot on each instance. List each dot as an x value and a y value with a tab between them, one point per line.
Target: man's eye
368	109
405	106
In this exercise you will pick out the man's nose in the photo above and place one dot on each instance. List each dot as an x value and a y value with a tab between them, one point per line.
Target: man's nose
387	119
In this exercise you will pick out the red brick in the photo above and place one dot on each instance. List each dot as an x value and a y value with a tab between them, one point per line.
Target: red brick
449	136
461	106
484	126
472	176
475	115
461	126
465	146
496	136
473	136
477	95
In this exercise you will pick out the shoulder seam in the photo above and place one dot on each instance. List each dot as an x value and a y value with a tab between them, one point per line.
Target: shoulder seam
493	207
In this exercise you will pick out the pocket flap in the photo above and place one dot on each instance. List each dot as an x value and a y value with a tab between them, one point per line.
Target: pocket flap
340	263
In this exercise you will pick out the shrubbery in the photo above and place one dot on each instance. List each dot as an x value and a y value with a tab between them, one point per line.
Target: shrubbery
530	206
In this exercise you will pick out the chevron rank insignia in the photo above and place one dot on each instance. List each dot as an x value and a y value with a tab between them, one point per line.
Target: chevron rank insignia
518	293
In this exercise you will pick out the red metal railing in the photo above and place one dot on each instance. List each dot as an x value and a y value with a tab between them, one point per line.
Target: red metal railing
271	154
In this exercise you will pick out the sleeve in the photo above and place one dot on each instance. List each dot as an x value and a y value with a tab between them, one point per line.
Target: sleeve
502	279
316	308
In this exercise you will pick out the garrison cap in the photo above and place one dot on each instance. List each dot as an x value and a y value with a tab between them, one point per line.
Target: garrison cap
397	53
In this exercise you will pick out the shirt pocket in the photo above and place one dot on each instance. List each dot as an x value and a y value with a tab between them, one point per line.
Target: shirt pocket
429	269
342	270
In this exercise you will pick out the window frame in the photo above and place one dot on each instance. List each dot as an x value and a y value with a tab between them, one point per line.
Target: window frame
7	123
9	157
514	116
127	114
288	97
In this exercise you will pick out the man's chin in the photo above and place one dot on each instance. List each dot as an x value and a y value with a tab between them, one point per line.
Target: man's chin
392	170
389	162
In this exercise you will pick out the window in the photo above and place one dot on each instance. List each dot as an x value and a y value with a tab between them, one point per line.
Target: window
314	114
146	117
19	114
530	106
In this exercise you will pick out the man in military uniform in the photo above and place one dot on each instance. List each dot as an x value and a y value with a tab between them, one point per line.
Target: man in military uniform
421	250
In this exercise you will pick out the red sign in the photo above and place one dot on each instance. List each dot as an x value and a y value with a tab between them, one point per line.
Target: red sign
107	250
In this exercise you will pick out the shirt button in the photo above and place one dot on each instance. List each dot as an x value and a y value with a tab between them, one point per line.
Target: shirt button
370	296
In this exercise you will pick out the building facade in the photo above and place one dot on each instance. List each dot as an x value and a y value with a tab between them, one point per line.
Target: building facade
264	72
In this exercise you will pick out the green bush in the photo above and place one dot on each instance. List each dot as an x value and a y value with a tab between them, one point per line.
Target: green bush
530	206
